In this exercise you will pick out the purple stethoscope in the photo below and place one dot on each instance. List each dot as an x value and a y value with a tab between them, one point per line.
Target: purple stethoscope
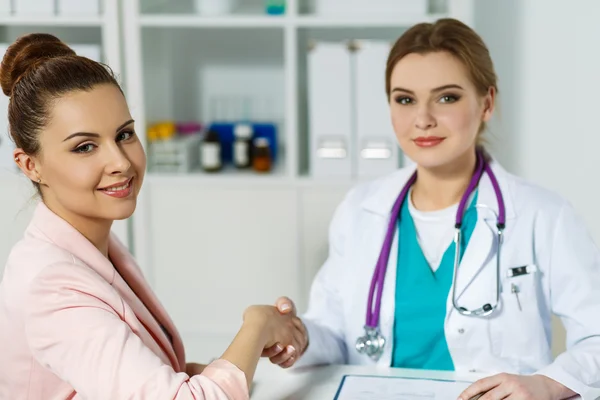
372	343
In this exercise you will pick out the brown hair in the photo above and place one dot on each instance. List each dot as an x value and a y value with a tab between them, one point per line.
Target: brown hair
454	37
36	70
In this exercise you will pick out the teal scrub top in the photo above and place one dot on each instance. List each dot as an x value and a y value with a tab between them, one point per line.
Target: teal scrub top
421	296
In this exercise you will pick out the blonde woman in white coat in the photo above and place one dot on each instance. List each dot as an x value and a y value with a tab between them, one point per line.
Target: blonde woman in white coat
523	252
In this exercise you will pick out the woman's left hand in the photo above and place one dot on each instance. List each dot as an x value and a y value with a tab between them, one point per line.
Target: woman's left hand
517	387
194	369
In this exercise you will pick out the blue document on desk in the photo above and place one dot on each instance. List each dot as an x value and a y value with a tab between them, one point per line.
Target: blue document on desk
360	387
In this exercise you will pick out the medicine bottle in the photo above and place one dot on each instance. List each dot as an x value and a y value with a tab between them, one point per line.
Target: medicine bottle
242	146
261	155
210	156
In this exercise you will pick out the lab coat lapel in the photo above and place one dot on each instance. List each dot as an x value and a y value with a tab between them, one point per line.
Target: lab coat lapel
482	248
136	292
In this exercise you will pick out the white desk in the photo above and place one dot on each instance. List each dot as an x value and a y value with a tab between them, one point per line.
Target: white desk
321	383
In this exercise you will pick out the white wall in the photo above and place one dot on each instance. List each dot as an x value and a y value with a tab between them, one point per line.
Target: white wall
547	54
561	102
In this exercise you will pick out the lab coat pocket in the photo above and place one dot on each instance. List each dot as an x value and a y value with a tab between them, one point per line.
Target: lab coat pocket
520	288
517	331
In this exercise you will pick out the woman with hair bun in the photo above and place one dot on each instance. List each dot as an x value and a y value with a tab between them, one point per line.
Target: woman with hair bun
77	318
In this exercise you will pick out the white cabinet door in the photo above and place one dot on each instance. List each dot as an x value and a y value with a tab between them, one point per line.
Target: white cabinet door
216	250
318	205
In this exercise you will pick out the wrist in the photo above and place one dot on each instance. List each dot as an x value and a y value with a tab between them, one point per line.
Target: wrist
255	324
305	332
557	390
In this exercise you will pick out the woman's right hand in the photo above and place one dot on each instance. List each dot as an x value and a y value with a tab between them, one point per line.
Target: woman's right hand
284	337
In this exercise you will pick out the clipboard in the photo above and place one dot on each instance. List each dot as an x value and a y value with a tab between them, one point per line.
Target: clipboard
395	386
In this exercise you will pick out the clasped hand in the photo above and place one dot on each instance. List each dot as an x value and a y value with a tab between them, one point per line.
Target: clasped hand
287	336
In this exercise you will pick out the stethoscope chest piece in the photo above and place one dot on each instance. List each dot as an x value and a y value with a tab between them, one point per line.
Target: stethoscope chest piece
372	343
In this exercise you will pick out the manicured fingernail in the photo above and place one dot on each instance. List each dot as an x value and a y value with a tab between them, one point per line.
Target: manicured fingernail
290	349
285	307
278	347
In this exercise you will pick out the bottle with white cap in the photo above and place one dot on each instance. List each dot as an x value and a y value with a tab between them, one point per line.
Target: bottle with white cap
211	152
242	146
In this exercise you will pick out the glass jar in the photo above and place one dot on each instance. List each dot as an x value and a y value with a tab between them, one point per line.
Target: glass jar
261	155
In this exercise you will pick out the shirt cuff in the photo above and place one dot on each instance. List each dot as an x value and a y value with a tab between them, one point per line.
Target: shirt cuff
229	377
555	372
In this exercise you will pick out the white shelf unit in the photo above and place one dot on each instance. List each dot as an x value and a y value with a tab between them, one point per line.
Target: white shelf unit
155	38
212	244
43	21
102	30
195	21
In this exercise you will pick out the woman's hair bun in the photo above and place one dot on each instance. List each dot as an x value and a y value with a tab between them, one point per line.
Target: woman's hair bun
27	53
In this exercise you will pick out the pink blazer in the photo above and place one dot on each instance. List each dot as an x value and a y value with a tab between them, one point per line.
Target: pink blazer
72	327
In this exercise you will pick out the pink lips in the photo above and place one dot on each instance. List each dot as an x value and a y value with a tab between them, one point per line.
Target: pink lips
119	190
428	141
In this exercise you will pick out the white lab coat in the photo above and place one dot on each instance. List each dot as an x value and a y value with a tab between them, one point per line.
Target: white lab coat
542	231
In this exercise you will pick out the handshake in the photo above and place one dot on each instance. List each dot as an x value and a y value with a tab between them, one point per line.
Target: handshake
285	335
